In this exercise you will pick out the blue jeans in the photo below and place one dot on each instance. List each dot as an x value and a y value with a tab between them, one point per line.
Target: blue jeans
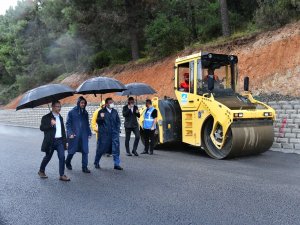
57	145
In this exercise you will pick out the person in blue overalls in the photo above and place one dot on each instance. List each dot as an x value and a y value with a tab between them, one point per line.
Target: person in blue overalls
78	133
109	125
149	126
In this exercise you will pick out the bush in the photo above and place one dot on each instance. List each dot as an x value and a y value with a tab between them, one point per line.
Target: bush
25	83
8	94
275	13
100	60
166	35
47	73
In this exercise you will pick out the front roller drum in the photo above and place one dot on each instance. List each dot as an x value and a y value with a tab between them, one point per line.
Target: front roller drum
243	138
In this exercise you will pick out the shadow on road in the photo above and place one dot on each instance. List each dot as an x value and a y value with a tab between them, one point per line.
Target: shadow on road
182	147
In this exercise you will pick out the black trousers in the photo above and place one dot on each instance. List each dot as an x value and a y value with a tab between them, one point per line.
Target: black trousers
57	145
136	132
149	139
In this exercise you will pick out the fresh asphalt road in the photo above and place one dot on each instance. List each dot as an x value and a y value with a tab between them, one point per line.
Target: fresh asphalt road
177	185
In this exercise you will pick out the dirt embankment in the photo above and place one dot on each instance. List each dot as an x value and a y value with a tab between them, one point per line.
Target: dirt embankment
270	59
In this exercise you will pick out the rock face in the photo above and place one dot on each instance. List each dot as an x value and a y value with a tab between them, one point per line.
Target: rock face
270	59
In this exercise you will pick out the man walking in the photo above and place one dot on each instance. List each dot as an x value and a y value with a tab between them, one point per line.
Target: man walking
109	129
53	127
79	132
131	113
149	126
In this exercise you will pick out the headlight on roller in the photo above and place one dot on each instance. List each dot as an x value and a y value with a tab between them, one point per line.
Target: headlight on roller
267	114
238	114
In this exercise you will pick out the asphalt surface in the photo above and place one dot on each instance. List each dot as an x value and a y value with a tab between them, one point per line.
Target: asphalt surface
177	185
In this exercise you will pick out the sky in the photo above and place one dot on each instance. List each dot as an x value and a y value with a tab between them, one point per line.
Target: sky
5	4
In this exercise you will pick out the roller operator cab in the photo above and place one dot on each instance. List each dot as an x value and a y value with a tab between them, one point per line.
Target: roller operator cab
209	113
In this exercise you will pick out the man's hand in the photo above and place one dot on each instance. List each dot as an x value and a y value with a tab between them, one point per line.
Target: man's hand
72	136
53	122
102	115
67	146
152	128
137	111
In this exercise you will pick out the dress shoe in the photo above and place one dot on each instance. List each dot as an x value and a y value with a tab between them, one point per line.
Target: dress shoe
118	168
97	166
108	155
151	153
42	175
129	154
64	178
69	166
144	152
135	153
86	170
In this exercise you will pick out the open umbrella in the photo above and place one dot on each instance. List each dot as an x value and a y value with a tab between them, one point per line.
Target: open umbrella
100	85
137	89
44	95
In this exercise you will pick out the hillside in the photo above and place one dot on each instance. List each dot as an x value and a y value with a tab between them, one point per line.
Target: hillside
271	60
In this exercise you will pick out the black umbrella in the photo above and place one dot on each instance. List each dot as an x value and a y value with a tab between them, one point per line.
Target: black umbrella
44	95
138	89
100	85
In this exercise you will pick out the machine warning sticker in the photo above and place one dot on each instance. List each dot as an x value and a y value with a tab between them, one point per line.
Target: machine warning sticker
184	98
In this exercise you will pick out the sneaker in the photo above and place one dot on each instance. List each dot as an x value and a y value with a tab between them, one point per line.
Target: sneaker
64	178
42	175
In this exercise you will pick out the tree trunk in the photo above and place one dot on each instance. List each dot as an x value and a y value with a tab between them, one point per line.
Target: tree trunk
193	21
131	10
224	18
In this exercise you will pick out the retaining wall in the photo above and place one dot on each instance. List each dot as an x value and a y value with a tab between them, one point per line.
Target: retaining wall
286	126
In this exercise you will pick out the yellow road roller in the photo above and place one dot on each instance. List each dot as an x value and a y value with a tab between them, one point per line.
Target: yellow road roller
208	111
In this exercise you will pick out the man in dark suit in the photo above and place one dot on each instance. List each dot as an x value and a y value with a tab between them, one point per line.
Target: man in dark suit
53	127
131	113
109	125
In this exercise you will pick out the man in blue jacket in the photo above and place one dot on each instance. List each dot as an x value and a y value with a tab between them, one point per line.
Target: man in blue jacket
78	133
109	125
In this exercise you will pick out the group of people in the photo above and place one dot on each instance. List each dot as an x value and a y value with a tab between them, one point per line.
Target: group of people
74	136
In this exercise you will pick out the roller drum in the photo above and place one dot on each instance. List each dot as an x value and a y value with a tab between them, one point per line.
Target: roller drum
248	137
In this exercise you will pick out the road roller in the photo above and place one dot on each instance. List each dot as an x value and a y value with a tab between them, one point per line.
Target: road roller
208	112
